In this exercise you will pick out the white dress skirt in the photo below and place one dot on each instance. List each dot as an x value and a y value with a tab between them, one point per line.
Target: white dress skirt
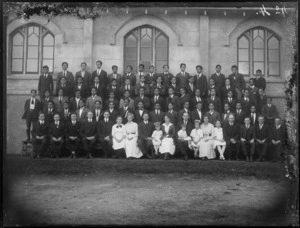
196	135
131	147
206	148
167	144
157	135
218	132
119	133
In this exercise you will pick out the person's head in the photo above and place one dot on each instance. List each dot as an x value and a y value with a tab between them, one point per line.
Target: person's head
111	95
142	79
111	105
97	104
151	69
127	81
142	90
258	72
47	93
63	80
60	93
170	106
199	69
141	67
41	116
229	93
96	79
238	105
197	92
83	66
33	93
186	105
50	104
269	100
205	119
99	64
211	82
156	91
157	106
247	120
79	80
182	91
81	103
166	68
146	116
56	117
183	127
231	118
126	102
157	125
234	69
73	116
251	82
197	124
191	79
227	82
159	79
226	107
167	119
213	91
253	109
171	91
218	123
114	69
119	120
261	119
106	114
89	115
182	67
45	69
199	105
93	91
218	68
128	69
173	80
114	82
211	106
130	116
185	116
261	91
277	120
246	92
66	105
77	94
126	93
64	65
140	105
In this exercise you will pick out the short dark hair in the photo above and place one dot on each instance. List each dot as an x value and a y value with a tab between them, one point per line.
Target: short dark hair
114	66
97	101
129	66
64	63
46	91
46	67
79	77
246	89
199	66
151	66
234	66
258	70
218	65
66	102
182	64
142	65
99	61
251	79
50	101
106	111
165	65
33	90
142	87
83	63
199	102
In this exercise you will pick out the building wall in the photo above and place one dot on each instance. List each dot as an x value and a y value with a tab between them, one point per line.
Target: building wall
193	39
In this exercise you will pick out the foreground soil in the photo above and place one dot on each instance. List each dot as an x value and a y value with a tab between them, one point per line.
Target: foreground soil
144	192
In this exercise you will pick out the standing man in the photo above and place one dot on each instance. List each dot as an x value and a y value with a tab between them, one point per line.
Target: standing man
90	102
262	134
129	75
145	129
213	99
219	79
232	136
260	81
237	81
213	115
88	132
150	78
142	97
39	135
247	102
173	99
261	99
167	76
31	111
102	74
86	76
82	111
253	116
56	135
97	112
45	83
59	101
157	115
67	74
73	135
182	76
140	73
247	134
269	111
183	144
278	136
115	75
201	82
104	128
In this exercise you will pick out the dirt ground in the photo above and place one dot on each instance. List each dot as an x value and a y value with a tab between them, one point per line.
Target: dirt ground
144	192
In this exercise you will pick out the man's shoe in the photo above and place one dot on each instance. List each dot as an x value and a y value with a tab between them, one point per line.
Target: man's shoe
148	156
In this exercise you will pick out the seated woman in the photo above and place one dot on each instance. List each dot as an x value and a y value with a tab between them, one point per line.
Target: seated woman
131	147
156	138
219	141
196	135
118	137
206	143
167	144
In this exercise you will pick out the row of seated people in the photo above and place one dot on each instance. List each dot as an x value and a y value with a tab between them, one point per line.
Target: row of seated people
136	140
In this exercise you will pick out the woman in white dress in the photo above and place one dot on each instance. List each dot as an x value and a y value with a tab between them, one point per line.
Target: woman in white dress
167	144
206	144
118	137
219	141
196	135
131	148
156	137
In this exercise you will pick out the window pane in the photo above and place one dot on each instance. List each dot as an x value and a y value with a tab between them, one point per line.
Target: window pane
17	52
30	30
146	54
159	66
161	41
244	68
32	65
146	42
49	63
273	68
274	55
36	30
143	31
161	53
258	65
18	39
255	33
16	65
33	52
33	40
258	55
48	40
243	42
243	54
48	52
130	53
273	43
131	41
258	43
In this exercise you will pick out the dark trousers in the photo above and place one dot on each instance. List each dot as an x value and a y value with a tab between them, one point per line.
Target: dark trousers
120	153
88	145
231	146
277	150
145	145
56	147
244	148
183	146
72	145
39	145
261	149
30	119
106	146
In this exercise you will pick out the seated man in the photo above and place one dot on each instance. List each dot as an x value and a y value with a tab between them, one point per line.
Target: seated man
88	132
232	136
173	115
138	115
277	139
173	99
269	111
143	84
213	99
44	101
59	101
157	115
73	135
113	112
213	115
142	97
186	108
145	129
56	135
225	115
198	113
253	116
183	144
247	134
90	102
65	113
262	138
239	114
49	113
157	98
39	136
104	128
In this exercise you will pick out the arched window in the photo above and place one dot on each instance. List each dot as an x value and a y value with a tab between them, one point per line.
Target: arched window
146	45
258	48
32	46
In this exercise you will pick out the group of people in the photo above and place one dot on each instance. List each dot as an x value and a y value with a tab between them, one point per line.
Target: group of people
153	115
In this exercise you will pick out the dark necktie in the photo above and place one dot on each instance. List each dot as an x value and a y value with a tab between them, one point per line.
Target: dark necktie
32	102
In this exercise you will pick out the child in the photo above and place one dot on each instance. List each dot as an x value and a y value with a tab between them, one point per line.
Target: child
182	135
118	135
156	137
196	135
219	141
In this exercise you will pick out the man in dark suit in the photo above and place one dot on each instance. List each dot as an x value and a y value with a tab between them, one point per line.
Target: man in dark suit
113	112
228	87
173	99
150	78
139	112
74	101
262	134
237	81
100	89
67	74
88	132
83	88
104	128
225	114
160	86
260	81
278	136
190	88
253	116
65	113
231	101
213	99
186	108
49	113
269	111
145	129
111	98
142	97
129	75
45	82
157	99
247	102
113	88
140	73
31	111
73	135
115	75
56	135
44	101
197	114
127	86
232	136
196	99
82	111
201	82
183	145
143	84
39	136
182	76
59	100
125	110
253	91
97	112
248	137
173	115
261	99
85	75
213	115
219	79
157	115
239	114
102	74
174	85
167	76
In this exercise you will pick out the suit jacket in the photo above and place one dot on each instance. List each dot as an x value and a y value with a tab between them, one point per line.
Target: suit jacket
131	89
73	104
67	90
231	132
138	77
201	84
119	79
213	117
104	129
247	134
83	116
137	89
65	117
194	102
100	116
269	113
132	78
216	102
57	132
44	104
124	113
87	78
102	77
232	104
190	90
183	99
49	116
90	102
145	130
39	130
173	116
167	78
224	91
253	94
246	106
262	133
219	82
59	105
239	118
69	79
182	81
151	80
195	116
189	127
260	83
237	81
116	103
176	90
113	115
224	119
115	90
176	102
84	90
261	101
45	84
100	91
137	117
131	104
160	100
145	100
73	130
88	129
161	88
254	120
278	134
37	108
171	132
181	112
157	118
